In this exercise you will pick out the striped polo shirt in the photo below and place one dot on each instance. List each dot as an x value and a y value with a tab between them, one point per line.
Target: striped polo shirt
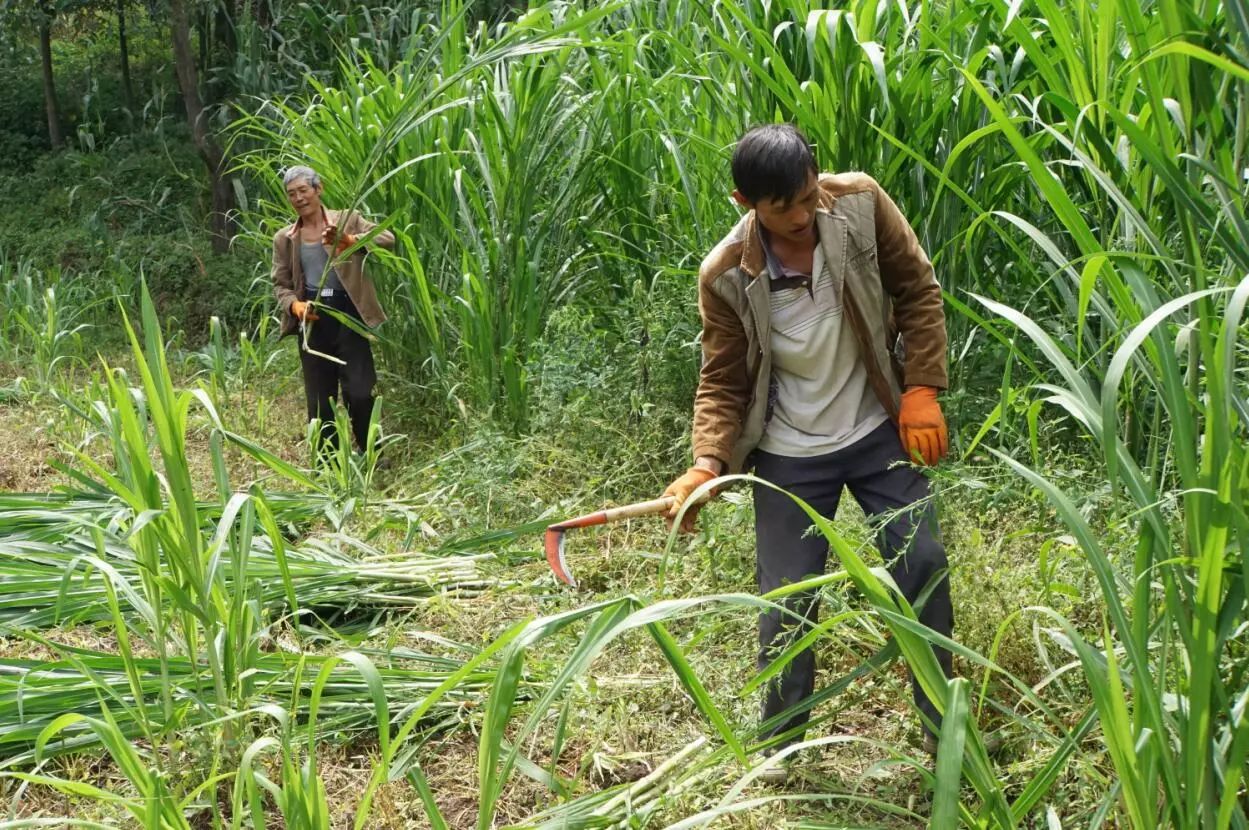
823	400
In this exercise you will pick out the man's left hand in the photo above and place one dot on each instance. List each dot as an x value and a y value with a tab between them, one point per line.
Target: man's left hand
922	426
339	242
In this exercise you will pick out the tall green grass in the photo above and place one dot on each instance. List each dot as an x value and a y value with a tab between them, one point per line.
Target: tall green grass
567	156
1076	172
43	322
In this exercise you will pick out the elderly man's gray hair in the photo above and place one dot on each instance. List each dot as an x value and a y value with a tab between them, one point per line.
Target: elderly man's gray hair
300	172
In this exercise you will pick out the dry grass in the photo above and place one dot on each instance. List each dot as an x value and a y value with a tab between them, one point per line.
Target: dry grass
37	430
28	441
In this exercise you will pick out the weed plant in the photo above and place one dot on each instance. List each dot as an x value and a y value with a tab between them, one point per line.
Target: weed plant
135	204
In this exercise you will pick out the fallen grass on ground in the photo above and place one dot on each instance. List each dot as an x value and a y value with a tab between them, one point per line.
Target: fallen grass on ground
625	724
626	717
645	723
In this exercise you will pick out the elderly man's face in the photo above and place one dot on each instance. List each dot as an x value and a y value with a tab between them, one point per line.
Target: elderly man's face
305	198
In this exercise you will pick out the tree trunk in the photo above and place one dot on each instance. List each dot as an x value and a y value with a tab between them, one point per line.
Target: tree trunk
127	93
225	29
225	42
49	81
205	40
264	15
221	221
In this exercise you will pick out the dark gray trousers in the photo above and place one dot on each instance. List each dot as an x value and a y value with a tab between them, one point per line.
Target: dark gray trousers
786	553
323	378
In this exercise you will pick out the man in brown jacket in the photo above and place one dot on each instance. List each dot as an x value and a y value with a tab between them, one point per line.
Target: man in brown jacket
309	271
824	347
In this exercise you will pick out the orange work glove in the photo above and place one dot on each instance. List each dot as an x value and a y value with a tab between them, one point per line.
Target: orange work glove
922	426
680	490
302	312
330	236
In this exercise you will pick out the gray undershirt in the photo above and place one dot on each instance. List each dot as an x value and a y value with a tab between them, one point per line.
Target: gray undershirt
312	257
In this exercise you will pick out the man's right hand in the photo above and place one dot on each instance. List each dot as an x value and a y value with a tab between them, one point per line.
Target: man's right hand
302	312
680	490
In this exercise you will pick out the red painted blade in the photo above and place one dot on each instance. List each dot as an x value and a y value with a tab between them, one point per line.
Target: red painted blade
554	543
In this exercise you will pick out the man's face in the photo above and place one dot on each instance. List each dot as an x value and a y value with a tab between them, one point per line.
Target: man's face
305	198
792	220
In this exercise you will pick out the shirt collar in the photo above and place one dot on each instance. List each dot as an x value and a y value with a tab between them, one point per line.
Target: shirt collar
299	223
776	270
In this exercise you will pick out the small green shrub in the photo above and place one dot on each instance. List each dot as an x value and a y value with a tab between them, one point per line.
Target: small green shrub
134	206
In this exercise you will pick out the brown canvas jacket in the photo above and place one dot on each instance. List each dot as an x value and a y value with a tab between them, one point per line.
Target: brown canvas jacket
288	275
890	297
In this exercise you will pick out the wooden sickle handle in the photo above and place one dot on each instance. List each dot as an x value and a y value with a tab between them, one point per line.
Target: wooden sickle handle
642	508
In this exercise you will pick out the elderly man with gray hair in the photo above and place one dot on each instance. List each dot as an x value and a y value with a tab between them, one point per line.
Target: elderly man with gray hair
310	271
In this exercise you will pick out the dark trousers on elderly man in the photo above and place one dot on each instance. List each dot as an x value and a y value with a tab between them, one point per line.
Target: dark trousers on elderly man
787	553
323	378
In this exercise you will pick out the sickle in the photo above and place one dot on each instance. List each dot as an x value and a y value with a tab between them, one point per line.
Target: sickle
554	542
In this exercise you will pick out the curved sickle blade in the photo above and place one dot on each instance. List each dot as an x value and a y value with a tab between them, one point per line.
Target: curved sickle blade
554	542
554	545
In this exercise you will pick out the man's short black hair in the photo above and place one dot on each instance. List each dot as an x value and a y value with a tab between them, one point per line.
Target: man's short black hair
773	161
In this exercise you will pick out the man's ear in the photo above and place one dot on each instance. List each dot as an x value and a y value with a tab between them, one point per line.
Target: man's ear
741	200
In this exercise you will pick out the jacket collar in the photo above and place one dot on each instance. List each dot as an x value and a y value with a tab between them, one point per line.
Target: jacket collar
327	216
754	259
